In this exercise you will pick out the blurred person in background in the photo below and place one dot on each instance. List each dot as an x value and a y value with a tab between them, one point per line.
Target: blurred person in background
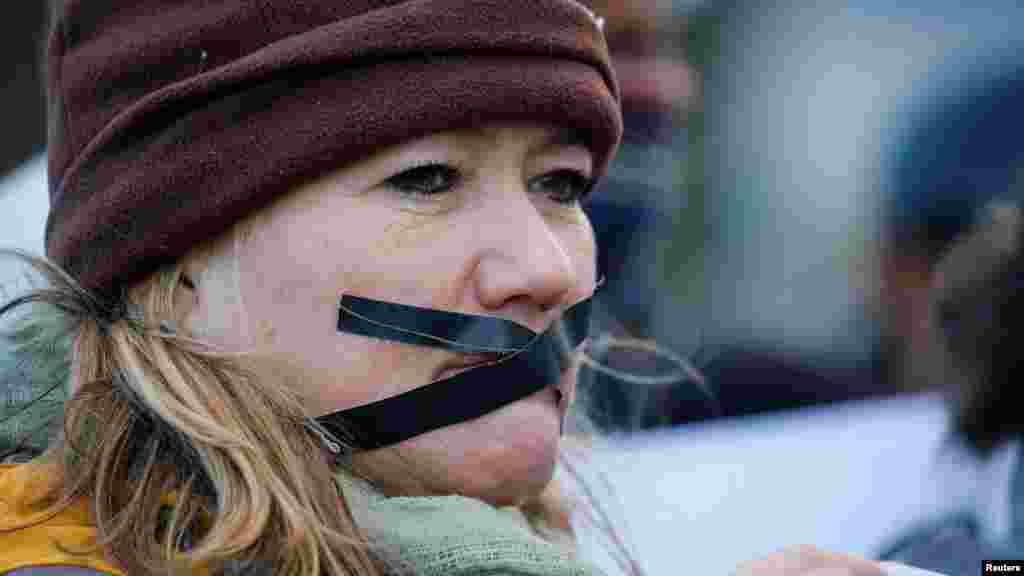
649	219
960	153
956	278
976	311
634	213
22	100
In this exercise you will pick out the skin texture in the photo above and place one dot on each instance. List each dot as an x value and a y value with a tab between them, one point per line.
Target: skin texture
496	242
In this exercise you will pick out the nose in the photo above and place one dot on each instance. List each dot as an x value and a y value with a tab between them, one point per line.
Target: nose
524	270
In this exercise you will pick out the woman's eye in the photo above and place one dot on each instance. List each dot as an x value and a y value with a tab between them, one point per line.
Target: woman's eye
563	186
425	181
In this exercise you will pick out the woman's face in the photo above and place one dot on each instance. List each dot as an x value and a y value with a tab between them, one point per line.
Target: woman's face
480	221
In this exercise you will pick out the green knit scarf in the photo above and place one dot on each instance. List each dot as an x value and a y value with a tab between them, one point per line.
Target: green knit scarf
34	365
455	536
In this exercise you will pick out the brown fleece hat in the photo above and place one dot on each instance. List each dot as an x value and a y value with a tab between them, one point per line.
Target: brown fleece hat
171	120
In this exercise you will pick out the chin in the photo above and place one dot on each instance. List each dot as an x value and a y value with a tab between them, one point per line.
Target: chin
520	462
504	458
518	488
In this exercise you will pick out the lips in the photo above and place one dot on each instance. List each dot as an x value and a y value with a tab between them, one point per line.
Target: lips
464	362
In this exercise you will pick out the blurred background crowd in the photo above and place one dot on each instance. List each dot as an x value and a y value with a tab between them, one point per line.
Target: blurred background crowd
792	179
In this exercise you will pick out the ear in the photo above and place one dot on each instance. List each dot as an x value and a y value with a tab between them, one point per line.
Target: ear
210	307
186	293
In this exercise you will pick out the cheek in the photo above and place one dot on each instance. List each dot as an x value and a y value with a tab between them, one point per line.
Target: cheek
283	276
293	272
580	244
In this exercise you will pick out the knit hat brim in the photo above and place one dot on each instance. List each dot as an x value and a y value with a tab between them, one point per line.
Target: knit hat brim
181	164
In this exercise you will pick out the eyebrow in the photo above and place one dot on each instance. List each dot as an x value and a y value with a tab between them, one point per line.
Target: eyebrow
560	138
564	137
557	138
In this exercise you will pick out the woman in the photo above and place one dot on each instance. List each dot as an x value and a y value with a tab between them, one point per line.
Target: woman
280	222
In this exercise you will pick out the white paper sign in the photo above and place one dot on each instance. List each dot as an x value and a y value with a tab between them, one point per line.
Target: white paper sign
894	569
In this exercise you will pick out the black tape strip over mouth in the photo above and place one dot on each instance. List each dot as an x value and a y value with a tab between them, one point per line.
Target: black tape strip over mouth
431	328
529	362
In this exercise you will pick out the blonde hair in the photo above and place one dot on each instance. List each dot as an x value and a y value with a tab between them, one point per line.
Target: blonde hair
156	414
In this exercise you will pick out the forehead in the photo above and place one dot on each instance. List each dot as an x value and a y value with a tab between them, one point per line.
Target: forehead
530	136
537	135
